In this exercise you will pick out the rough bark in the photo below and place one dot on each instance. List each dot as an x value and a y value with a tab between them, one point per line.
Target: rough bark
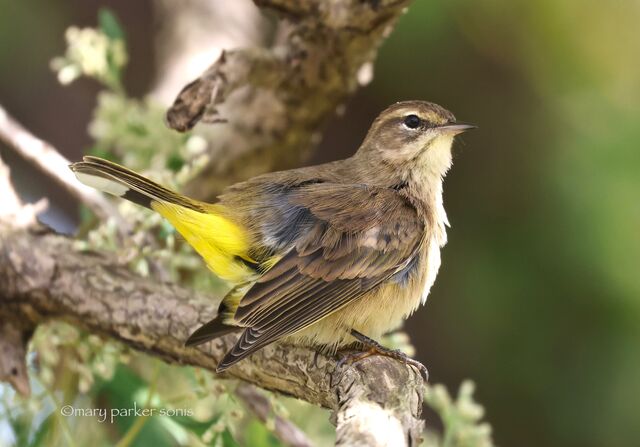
276	99
186	42
374	401
13	367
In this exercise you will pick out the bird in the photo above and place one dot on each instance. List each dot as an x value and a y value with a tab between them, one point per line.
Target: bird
331	256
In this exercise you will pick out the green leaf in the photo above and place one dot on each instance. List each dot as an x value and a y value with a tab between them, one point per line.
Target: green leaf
228	440
166	229
21	426
40	438
102	153
175	162
118	395
257	435
110	25
194	426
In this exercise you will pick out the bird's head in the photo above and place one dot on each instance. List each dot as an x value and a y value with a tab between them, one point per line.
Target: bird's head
413	136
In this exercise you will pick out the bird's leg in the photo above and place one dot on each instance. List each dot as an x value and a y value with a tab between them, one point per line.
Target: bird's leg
372	347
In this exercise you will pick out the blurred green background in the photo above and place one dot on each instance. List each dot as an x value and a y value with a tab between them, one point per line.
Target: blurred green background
538	299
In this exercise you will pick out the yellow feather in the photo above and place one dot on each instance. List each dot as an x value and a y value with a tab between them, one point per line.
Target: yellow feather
219	240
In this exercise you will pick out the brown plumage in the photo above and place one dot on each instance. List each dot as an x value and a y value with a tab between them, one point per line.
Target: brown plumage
323	251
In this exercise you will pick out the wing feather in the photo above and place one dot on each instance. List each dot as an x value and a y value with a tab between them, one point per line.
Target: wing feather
354	238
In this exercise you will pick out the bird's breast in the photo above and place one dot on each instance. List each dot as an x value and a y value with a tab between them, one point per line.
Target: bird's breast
382	309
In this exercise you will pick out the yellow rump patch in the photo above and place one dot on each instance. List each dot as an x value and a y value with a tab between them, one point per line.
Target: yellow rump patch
221	242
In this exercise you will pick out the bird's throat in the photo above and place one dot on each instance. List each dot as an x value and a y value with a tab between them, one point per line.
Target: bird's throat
436	159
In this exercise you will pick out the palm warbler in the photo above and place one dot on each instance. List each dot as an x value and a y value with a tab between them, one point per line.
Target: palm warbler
324	256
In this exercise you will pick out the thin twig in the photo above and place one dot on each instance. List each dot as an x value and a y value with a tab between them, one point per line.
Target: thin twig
11	203
51	162
11	207
259	405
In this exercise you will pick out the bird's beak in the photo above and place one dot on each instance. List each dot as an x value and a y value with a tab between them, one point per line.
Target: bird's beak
456	128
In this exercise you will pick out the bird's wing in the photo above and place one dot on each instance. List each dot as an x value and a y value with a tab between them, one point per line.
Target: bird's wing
346	240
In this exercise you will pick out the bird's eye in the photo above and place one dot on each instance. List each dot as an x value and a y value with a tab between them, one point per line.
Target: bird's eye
412	121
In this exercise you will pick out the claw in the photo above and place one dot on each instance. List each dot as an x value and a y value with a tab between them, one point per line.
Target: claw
354	357
375	348
424	372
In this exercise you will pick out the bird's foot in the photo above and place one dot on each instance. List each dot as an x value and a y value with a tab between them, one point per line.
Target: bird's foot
372	347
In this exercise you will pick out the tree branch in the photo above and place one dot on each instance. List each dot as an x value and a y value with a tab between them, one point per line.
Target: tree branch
91	290
14	334
13	367
275	100
186	42
51	162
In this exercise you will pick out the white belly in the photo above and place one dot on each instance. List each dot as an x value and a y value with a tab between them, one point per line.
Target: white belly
433	265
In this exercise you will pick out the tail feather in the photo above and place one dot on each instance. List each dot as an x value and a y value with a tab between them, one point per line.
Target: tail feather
217	327
213	329
248	343
114	179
